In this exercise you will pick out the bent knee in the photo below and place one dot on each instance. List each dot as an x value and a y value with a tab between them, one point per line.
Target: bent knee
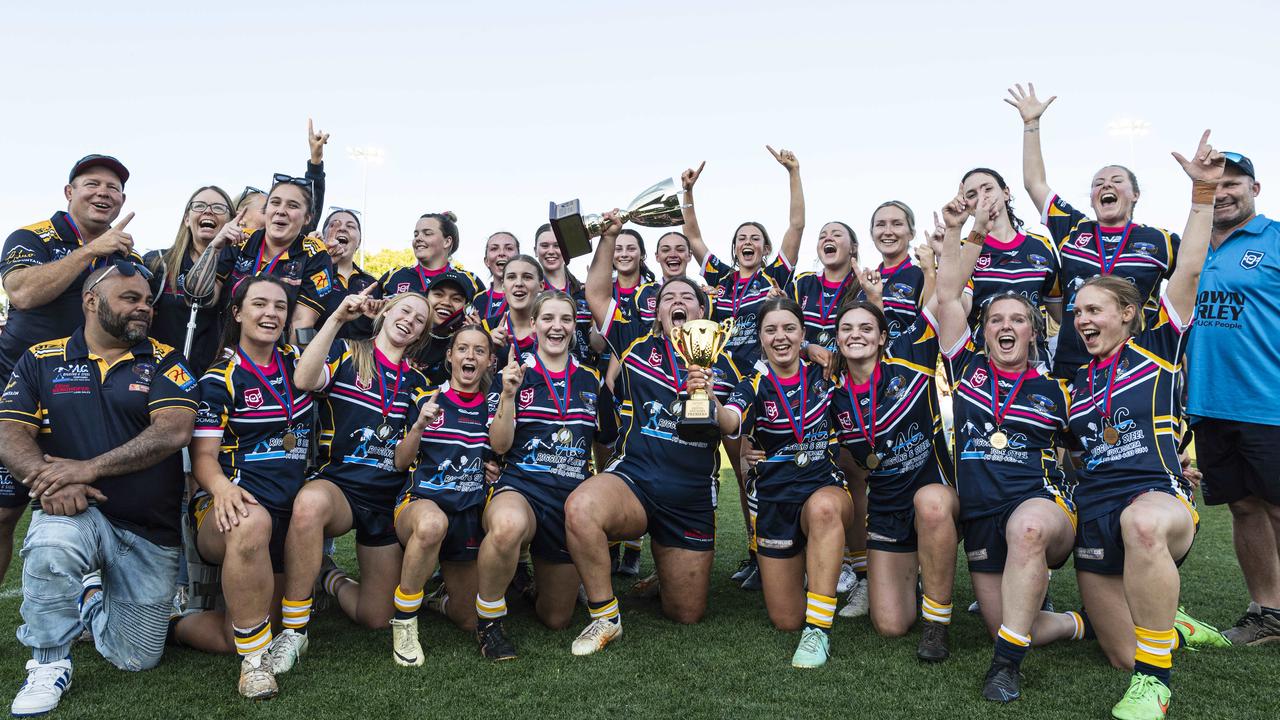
891	627
1030	534
581	512
825	511
429	529
1141	530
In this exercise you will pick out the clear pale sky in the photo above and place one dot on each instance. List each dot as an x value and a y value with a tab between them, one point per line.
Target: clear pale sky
493	109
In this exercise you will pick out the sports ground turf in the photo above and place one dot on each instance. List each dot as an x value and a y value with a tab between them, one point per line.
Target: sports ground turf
731	665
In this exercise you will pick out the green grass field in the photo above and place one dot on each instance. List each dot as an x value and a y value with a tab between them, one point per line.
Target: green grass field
731	665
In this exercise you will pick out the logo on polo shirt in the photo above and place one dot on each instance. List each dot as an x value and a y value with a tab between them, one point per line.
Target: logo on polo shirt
19	253
1251	259
182	377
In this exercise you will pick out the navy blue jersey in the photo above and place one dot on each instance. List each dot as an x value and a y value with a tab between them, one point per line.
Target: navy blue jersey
361	421
490	305
771	408
1143	412
909	441
537	456
251	420
903	295
304	267
1032	421
450	465
649	449
1141	254
1027	265
819	298
173	311
741	299
415	278
631	314
39	244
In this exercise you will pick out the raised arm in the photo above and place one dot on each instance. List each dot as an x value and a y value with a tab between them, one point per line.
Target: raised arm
316	140
407	448
956	267
1030	108
38	285
502	430
599	286
1205	170
308	375
795	219
691	229
201	284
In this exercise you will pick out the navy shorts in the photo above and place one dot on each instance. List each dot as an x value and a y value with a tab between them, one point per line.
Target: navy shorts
986	545
893	531
549	541
606	417
200	506
778	531
688	526
12	493
462	538
1100	544
1238	459
374	526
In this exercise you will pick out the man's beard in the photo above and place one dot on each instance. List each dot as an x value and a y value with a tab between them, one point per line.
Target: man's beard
117	326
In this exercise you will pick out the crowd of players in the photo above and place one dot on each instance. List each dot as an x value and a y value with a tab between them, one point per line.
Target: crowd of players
509	435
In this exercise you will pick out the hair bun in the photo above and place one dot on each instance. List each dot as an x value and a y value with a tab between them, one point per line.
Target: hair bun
450	214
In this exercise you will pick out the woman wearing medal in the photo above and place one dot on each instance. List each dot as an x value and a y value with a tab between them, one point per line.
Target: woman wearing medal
906	286
1137	517
249	456
437	517
885	406
522	280
802	504
739	292
1016	506
544	425
1110	243
369	389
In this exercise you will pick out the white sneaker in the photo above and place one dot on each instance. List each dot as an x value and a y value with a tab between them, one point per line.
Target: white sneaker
286	650
596	635
405	648
847	578
43	689
257	682
855	605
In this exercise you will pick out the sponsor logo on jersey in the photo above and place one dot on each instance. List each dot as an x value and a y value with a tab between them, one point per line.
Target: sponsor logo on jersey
19	253
1251	259
846	420
182	378
321	281
771	409
526	397
253	397
979	377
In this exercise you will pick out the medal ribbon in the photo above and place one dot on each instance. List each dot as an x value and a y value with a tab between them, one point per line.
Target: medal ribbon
867	428
562	405
1107	264
490	312
383	403
797	425
257	263
1105	410
825	310
746	288
675	369
262	378
422	276
998	409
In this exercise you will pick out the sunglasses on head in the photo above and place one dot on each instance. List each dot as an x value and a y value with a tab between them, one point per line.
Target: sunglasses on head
127	268
251	190
280	178
1234	157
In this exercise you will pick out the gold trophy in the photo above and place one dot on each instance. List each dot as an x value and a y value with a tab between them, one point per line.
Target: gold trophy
699	342
657	207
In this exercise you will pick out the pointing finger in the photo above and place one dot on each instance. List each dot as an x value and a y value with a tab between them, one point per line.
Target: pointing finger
311	131
123	223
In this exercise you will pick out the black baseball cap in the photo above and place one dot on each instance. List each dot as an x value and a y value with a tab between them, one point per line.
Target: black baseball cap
106	161
1240	162
453	277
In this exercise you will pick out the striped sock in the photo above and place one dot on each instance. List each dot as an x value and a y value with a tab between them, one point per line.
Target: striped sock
1082	625
935	612
1011	646
253	641
295	614
607	610
491	610
859	563
633	544
819	611
333	580
407	604
1154	655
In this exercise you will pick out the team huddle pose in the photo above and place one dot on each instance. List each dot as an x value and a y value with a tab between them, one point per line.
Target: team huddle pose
510	436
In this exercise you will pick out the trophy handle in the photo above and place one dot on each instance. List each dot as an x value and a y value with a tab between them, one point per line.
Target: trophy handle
726	332
676	335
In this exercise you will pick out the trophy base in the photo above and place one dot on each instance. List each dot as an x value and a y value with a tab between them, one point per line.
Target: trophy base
697	422
570	230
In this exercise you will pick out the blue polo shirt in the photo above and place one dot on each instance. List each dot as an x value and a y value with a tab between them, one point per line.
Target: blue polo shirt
1234	374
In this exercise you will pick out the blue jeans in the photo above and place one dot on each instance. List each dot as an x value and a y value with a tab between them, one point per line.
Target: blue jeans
128	619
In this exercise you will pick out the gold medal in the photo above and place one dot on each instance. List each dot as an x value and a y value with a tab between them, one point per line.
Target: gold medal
824	338
564	436
1110	435
802	460
384	431
289	442
677	407
873	461
999	440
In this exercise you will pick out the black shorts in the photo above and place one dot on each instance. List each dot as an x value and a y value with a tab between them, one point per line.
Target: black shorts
1238	459
778	531
986	544
461	541
12	493
199	508
375	527
549	541
688	527
1100	544
606	417
893	531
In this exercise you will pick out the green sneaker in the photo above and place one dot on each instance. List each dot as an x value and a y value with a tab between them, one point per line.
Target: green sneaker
813	650
1146	699
1198	634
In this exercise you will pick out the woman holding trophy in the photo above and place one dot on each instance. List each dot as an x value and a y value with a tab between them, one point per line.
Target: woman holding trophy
803	505
740	292
662	480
